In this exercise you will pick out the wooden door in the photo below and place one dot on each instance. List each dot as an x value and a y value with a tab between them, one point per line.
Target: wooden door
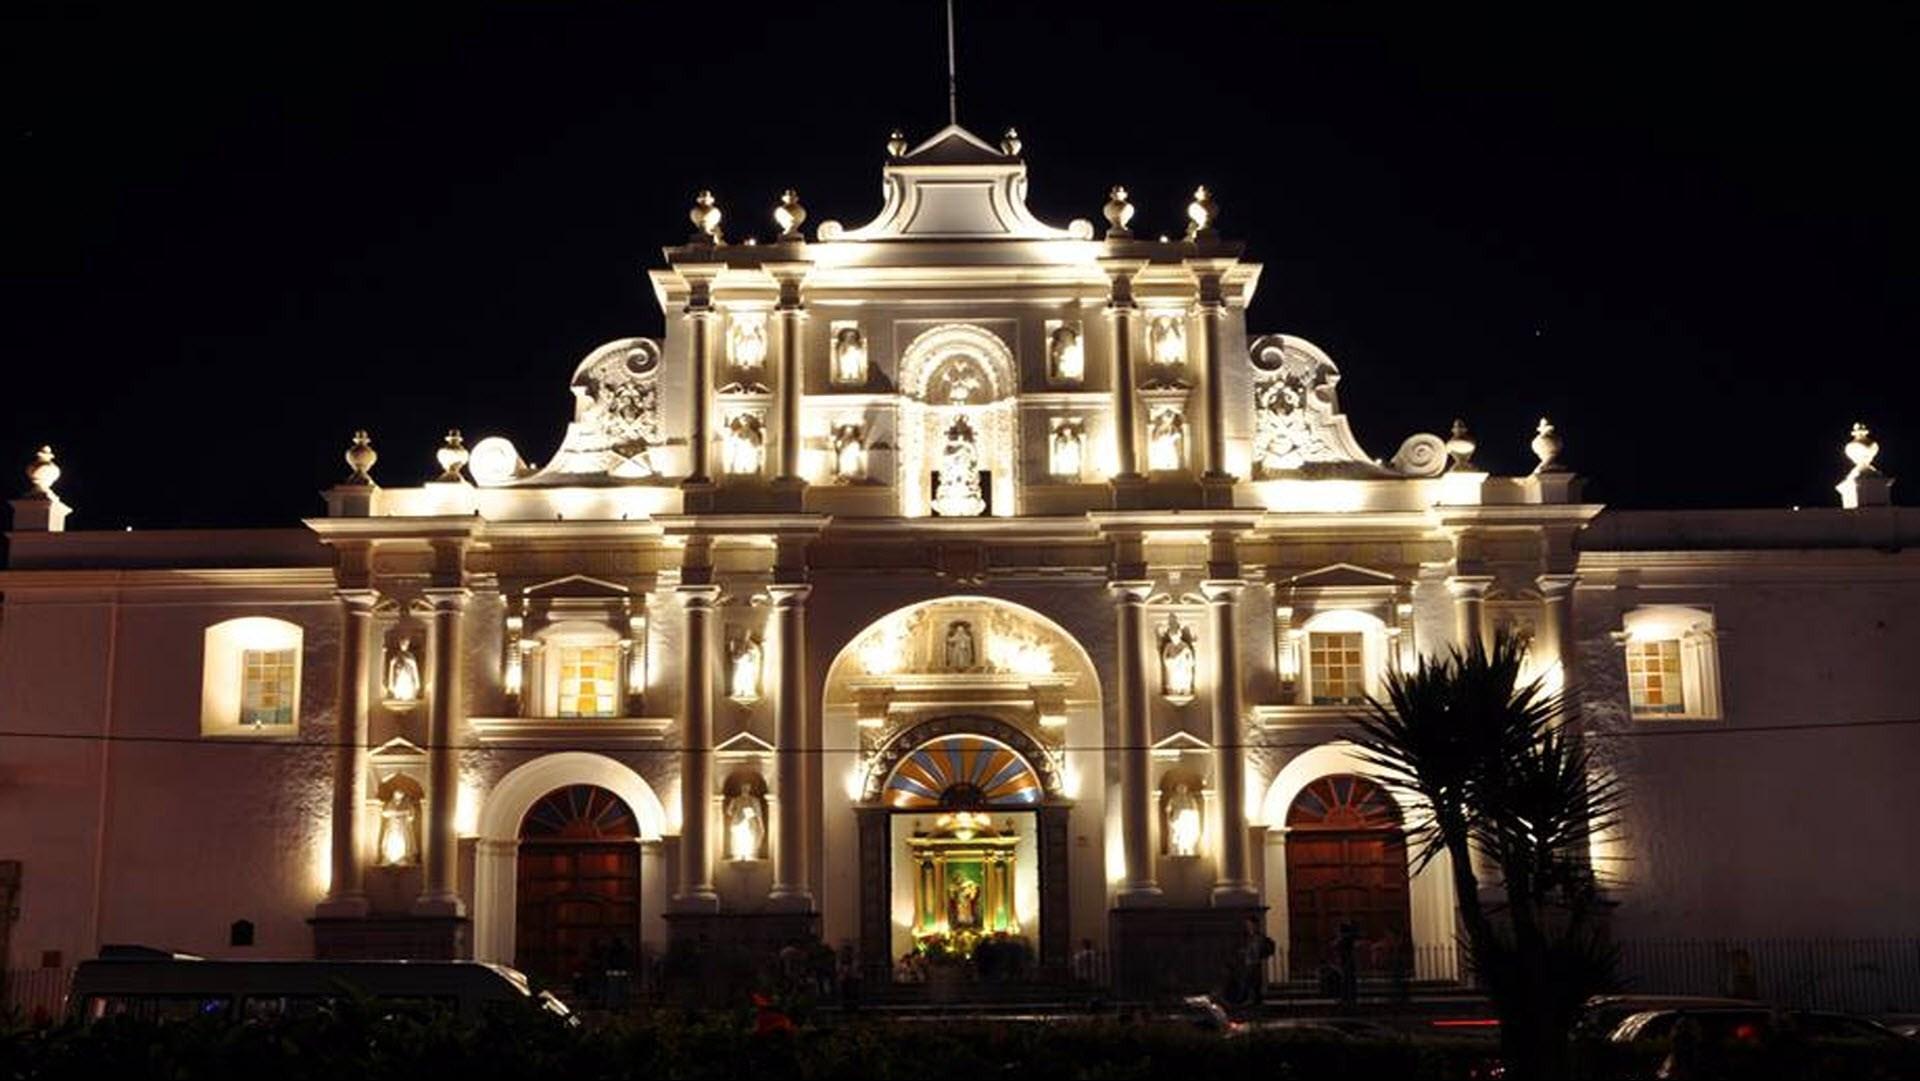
1346	864
578	884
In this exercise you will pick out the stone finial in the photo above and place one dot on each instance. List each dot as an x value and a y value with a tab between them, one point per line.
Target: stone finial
1119	212
360	458
1864	485
42	474
1460	445
706	218
1547	446
790	215
452	457
1861	450
1010	143
1202	212
897	144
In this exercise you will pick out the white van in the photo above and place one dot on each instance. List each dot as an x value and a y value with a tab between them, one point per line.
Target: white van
158	985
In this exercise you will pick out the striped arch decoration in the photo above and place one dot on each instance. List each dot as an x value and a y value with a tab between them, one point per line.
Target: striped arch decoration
1343	801
580	812
962	771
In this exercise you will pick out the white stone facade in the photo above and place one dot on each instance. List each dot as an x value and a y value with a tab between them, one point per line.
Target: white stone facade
740	537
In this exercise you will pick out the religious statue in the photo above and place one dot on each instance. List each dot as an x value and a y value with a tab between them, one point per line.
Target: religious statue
743	668
849	452
745	440
1065	451
849	355
961	655
963	908
958	493
746	827
748	343
1066	355
403	673
1167	440
1183	821
1167	341
399	817
1176	660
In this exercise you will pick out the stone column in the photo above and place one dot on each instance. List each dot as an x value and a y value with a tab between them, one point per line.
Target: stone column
1233	883
440	895
1136	738
1210	311
700	323
1126	439
1469	609
792	889
793	321
347	897
696	756
1557	637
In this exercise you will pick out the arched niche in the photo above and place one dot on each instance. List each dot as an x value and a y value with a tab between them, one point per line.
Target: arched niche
965	375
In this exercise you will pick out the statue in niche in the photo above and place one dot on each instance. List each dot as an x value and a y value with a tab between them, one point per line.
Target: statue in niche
1177	659
749	342
849	356
746	827
963	906
1066	355
746	440
961	654
1167	341
958	493
743	667
1065	451
399	825
403	673
1167	440
849	452
1183	821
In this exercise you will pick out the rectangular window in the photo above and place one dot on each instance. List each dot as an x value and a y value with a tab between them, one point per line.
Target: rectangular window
1653	677
587	680
266	686
1336	670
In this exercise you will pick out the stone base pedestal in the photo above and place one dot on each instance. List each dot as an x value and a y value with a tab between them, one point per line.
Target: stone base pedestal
718	958
390	938
1168	951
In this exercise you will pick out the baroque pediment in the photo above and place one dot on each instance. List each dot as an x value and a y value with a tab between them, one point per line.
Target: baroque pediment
955	186
1299	429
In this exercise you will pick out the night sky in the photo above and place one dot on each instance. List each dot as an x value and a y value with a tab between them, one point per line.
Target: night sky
233	237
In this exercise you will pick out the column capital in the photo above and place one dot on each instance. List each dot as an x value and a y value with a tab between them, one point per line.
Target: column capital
448	598
1556	586
1129	591
1469	586
358	602
700	596
1222	590
789	594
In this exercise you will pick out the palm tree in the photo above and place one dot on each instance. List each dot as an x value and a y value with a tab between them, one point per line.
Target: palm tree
1505	780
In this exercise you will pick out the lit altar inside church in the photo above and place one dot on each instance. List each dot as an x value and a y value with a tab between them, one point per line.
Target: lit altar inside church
963	875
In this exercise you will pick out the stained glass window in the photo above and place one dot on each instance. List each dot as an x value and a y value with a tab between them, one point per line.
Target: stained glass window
266	686
587	680
1337	670
1653	676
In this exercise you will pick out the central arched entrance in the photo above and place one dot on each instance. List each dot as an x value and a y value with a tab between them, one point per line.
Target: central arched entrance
1347	876
577	895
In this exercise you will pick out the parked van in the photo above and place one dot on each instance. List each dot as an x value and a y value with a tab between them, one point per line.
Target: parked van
156	984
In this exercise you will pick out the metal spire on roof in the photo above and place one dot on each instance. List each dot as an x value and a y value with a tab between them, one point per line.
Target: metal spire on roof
953	84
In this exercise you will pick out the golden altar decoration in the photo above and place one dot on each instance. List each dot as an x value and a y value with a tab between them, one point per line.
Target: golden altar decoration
963	881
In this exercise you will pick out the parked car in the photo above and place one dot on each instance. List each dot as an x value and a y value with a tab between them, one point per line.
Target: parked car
1603	1013
161	985
1759	1042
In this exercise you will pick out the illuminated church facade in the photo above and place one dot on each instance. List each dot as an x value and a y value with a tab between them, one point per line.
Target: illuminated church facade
947	577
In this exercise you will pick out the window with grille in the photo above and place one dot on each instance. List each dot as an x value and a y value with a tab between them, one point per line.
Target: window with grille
588	681
266	686
1654	682
1337	672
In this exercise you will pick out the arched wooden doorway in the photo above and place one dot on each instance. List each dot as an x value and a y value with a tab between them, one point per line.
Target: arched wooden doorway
579	882
1346	863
